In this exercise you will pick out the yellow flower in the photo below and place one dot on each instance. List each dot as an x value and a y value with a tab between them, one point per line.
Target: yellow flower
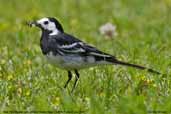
56	101
101	94
149	81
27	92
10	77
142	77
19	91
28	62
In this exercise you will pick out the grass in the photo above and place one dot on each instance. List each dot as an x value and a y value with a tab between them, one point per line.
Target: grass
29	83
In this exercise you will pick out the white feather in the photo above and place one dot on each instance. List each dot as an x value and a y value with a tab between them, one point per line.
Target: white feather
98	54
50	26
72	45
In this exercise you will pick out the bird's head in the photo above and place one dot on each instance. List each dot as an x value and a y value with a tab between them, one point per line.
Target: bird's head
48	24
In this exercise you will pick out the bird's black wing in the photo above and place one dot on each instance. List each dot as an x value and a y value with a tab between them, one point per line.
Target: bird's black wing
68	44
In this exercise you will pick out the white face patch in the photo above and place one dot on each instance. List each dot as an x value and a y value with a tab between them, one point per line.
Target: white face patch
48	25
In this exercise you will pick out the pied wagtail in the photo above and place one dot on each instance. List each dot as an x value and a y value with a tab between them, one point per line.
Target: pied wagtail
69	53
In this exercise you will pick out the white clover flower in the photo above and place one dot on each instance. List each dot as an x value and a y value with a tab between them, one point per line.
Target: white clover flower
108	30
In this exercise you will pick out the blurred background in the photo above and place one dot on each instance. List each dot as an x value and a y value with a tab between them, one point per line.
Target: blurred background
141	32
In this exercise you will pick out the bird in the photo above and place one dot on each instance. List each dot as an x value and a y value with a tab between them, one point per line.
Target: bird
68	52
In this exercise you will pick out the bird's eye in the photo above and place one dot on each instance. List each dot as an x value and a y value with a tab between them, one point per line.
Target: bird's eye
46	22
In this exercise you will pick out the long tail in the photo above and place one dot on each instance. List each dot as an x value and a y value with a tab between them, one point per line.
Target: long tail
115	61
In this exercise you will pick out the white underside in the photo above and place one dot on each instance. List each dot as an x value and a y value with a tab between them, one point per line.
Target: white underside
72	62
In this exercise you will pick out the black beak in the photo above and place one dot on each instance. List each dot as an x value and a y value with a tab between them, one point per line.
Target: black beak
33	24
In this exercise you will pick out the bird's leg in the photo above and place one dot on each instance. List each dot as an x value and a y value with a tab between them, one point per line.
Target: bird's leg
69	78
76	79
